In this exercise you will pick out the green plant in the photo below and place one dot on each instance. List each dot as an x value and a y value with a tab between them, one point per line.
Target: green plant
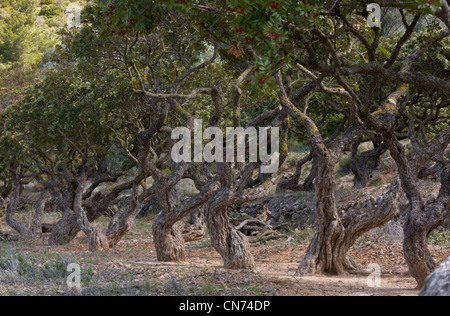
19	267
174	287
344	166
296	146
439	238
51	11
22	40
301	236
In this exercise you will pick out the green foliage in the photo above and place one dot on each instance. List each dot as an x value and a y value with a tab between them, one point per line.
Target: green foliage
123	45
51	11
440	237
301	236
19	267
22	42
344	166
65	117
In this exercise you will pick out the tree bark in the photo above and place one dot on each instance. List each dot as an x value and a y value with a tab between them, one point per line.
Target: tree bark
292	183
12	207
168	240
66	229
356	221
195	228
35	229
327	251
119	225
231	244
168	226
167	230
364	165
420	221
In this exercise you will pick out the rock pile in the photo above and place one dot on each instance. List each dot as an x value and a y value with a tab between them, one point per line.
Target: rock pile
284	211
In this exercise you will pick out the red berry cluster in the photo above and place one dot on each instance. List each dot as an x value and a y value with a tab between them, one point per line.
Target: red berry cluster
273	5
240	30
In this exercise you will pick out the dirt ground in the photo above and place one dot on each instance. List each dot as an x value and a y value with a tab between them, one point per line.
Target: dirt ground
132	269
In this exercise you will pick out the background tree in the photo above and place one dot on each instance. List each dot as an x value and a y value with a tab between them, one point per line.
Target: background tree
22	42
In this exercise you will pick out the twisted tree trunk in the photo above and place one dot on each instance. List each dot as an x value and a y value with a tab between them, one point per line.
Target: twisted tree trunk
169	231
121	223
364	165
34	228
420	221
12	207
67	228
167	228
168	240
328	250
232	245
293	184
195	228
328	254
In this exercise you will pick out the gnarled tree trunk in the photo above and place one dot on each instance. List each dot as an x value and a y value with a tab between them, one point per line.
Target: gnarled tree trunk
231	244
364	165
67	228
330	255
34	228
292	183
12	207
168	240
195	228
119	225
420	221
327	251
167	228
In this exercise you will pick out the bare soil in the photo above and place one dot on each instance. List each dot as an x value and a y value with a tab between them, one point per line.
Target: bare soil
132	269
